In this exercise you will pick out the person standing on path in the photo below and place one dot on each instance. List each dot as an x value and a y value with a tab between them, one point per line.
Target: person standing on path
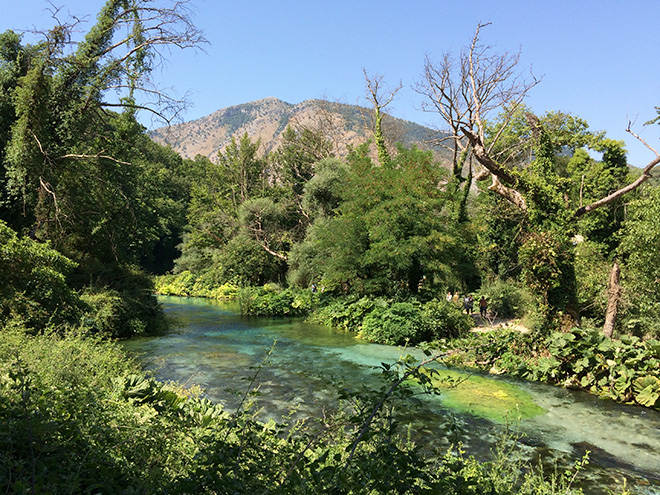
468	303
483	306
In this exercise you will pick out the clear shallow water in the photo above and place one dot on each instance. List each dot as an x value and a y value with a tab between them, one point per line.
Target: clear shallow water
215	348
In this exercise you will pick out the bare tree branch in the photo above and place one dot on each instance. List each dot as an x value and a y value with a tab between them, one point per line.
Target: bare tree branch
464	92
646	175
379	102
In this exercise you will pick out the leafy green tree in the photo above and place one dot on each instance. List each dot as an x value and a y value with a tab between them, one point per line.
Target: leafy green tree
465	93
242	170
84	178
14	59
230	200
293	161
211	217
267	222
322	194
640	250
69	161
244	261
389	234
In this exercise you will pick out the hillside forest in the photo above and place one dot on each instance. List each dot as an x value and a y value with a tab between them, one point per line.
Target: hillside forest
536	213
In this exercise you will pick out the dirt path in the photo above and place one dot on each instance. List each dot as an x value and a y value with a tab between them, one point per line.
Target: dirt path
489	324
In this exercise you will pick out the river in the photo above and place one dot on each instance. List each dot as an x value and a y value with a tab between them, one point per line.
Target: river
217	349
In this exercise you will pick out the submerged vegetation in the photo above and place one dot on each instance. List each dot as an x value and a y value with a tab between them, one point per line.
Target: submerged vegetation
370	241
625	370
80	417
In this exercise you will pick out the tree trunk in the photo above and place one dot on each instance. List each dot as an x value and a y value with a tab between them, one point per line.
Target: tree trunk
613	297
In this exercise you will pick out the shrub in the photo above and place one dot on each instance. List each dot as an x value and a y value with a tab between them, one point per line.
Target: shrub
507	300
347	313
123	295
270	300
444	319
180	284
625	370
384	322
208	284
80	417
400	323
33	283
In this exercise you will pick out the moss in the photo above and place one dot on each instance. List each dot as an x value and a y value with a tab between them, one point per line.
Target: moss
488	398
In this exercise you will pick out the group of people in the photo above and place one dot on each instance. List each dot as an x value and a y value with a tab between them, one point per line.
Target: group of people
468	303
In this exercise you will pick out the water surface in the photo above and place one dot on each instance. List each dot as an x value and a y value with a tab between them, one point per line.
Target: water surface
217	349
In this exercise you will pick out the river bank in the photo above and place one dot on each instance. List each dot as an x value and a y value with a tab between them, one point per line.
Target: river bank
220	349
624	370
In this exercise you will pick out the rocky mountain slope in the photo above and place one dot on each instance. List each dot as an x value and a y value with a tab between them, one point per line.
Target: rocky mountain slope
266	120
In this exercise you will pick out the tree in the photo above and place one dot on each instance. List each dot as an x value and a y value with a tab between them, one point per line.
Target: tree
265	221
243	170
78	172
239	177
379	102
465	93
69	160
293	161
14	60
388	233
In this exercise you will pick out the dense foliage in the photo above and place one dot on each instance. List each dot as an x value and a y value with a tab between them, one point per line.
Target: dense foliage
370	242
88	202
142	436
405	229
625	370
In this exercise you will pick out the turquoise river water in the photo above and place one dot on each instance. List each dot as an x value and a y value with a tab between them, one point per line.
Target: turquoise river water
215	348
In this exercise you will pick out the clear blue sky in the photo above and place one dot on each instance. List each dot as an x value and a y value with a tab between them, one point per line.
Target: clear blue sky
600	59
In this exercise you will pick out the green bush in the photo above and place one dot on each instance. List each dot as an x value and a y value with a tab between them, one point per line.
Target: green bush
400	323
67	429
34	290
347	313
180	284
120	300
270	300
625	370
507	300
592	274
207	283
445	320
80	417
379	320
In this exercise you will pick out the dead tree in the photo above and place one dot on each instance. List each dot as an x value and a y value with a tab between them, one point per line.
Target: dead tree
466	90
379	101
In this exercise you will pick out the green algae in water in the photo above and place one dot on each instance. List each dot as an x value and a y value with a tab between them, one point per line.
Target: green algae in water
488	398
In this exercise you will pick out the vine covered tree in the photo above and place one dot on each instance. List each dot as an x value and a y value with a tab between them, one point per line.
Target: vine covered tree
465	92
78	171
69	158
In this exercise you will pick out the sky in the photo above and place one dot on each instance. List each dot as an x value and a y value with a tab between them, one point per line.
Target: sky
599	59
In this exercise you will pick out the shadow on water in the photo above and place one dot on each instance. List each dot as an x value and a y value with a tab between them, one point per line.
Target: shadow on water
216	348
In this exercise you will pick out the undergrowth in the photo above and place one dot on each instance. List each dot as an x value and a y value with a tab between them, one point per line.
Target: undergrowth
80	417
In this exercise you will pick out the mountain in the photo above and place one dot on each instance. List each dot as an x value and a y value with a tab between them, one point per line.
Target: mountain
266	120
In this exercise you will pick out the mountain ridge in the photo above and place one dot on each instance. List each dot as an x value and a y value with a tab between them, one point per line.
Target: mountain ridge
266	119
